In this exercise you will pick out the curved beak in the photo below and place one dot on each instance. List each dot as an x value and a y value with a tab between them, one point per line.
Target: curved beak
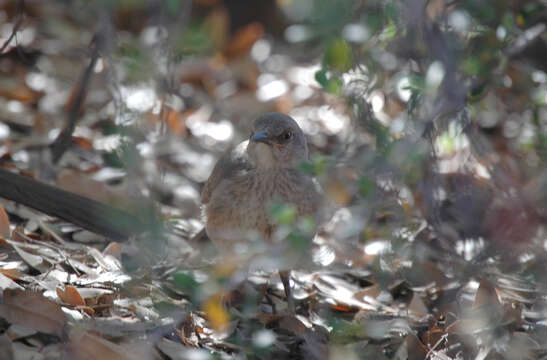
260	136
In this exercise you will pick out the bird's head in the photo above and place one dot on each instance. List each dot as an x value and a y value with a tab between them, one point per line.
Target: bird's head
276	142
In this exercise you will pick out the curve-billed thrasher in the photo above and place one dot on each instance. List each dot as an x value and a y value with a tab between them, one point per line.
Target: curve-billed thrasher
258	173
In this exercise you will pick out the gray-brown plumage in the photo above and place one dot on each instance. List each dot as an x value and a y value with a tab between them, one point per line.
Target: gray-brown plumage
256	174
248	180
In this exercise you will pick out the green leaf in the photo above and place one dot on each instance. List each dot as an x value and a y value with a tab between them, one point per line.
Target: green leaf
283	213
338	56
185	282
321	77
366	186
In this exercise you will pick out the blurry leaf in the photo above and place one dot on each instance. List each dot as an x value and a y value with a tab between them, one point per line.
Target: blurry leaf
82	143
321	77
185	282
218	26
6	348
175	121
4	223
334	86
17	331
417	306
243	40
70	295
8	283
292	324
471	66
366	186
173	6
194	40
338	56
113	249
35	261
508	20
391	11
299	241
136	60
215	312
389	32
86	346
13	274
486	295
33	310
415	348
283	213
14	90
338	192
174	349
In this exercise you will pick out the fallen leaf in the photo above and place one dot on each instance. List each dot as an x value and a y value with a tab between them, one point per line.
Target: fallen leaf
486	295
216	314
35	261
7	283
13	274
86	346
417	307
416	350
4	223
70	295
242	41
175	121
338	192
113	249
33	310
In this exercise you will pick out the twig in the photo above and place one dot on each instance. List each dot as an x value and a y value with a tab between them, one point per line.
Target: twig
64	140
526	39
91	215
20	12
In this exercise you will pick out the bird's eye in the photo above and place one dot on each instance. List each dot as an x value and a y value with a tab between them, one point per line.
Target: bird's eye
287	135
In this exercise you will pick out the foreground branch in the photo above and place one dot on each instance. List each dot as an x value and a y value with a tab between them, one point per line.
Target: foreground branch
91	215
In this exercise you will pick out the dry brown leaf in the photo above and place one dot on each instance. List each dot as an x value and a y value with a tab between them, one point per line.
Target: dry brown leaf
432	336
86	346
6	347
338	192
417	306
4	223
81	184
74	94
82	142
416	350
217	24
33	310
113	249
243	40
174	120
372	291
292	324
486	295
7	283
19	92
13	274
70	295
88	310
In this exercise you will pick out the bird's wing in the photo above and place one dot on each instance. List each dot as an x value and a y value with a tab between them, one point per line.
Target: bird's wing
227	166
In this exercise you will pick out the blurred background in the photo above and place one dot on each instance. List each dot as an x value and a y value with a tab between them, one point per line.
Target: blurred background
427	125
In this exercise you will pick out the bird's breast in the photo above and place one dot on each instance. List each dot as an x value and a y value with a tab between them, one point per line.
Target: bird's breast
243	204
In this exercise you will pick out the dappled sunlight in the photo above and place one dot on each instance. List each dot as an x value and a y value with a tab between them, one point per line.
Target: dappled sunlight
390	205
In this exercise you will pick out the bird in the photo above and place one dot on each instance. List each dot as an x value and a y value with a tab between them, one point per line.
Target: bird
248	180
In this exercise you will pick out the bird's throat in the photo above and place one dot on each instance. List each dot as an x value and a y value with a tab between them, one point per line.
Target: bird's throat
264	158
